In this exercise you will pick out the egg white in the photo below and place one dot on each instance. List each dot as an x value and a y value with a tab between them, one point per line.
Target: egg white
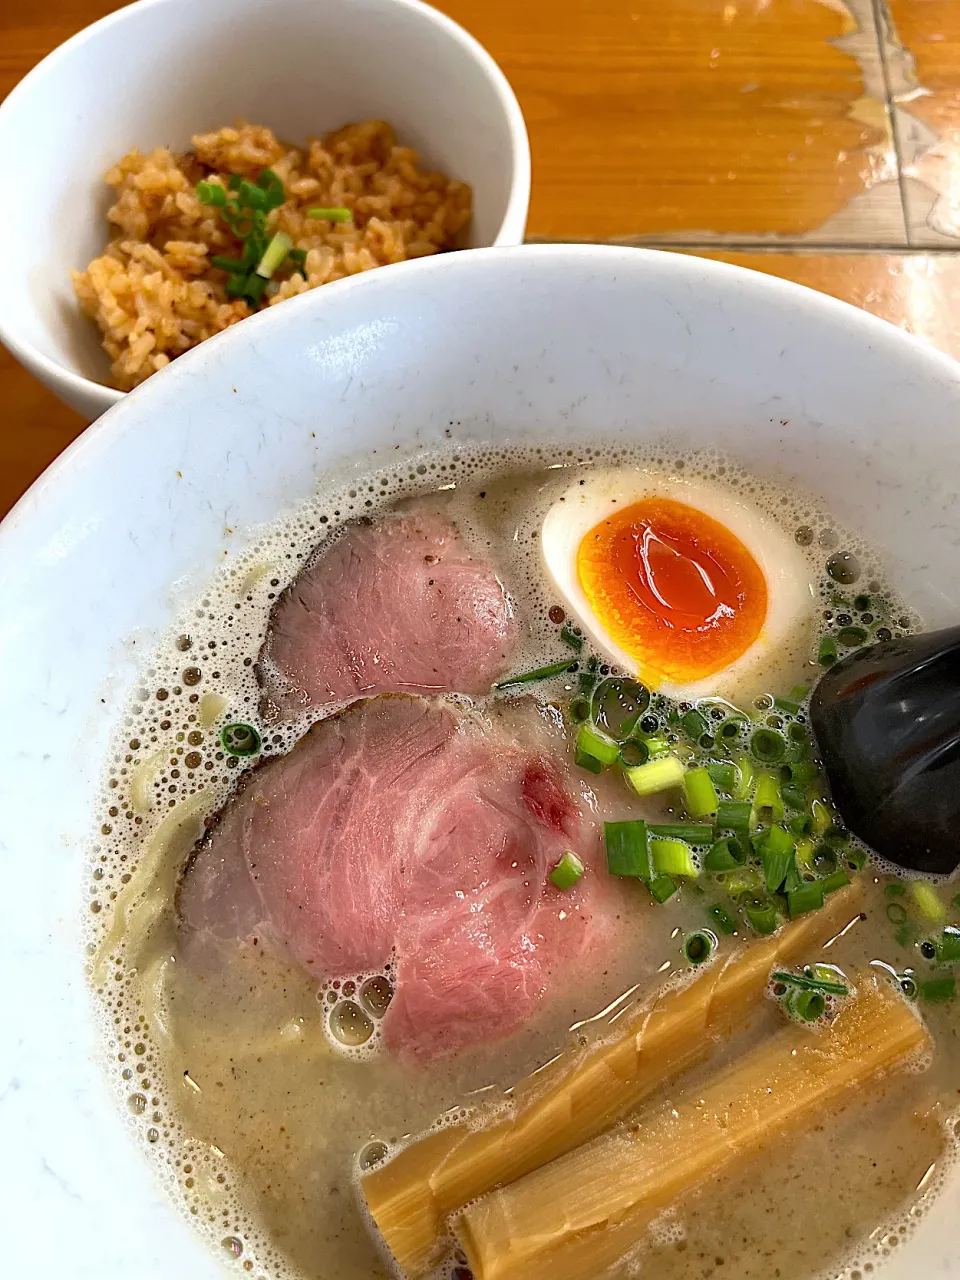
791	591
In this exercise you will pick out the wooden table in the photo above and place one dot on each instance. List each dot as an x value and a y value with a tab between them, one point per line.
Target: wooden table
799	137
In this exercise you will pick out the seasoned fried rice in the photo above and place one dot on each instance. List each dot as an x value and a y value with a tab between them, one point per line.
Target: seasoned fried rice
154	292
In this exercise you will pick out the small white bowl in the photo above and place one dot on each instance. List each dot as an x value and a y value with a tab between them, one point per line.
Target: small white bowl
159	71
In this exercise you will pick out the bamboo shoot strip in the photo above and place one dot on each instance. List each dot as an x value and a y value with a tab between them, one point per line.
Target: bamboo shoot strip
577	1217
580	1096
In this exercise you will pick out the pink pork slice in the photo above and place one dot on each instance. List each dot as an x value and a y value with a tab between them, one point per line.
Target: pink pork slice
399	605
406	830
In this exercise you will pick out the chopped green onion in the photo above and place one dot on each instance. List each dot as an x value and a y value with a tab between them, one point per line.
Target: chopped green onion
249	287
235	266
745	777
541	673
742	880
673	858
835	881
799	772
793	879
211	193
777	858
852	637
766	797
768	746
271	184
856	858
778	841
827	651
907	934
699	793
948	945
240	739
799	740
799	692
861	603
787	706
658	774
733	815
723	774
662	888
724	855
937	990
634	752
761	915
824	860
628	852
793	797
809	897
694	725
567	871
699	946
895	889
571	639
729	730
299	256
804	855
801	824
250	196
234	181
896	913
276	251
808	1006
928	900
579	710
810	984
595	751
682	831
722	918
823	973
657	746
820	814
331	215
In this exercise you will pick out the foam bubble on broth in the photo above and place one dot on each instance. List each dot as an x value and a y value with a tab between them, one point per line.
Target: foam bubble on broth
202	676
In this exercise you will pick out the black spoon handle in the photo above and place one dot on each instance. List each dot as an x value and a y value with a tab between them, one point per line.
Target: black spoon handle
887	725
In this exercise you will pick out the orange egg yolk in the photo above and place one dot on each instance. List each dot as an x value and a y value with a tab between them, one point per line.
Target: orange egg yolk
673	588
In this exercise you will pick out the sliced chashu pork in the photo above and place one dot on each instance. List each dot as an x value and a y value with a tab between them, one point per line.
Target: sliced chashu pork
396	605
405	829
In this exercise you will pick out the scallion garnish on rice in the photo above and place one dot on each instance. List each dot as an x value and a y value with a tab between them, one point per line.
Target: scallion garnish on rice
337	214
244	206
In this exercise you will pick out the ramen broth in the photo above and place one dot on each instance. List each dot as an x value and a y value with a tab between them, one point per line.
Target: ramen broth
261	1120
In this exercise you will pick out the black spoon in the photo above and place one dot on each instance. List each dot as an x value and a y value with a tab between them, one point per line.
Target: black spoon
887	724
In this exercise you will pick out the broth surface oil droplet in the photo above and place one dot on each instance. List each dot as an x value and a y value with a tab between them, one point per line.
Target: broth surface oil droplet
844	568
375	996
349	1024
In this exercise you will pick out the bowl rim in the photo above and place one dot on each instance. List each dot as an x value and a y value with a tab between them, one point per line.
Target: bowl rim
883	332
510	233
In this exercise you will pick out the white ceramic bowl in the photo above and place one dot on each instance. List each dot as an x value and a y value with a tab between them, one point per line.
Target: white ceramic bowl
159	71
580	343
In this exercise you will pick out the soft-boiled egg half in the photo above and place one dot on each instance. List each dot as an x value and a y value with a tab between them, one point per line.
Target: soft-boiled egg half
680	582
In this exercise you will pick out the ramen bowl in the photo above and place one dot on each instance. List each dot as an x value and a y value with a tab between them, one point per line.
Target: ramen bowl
574	344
